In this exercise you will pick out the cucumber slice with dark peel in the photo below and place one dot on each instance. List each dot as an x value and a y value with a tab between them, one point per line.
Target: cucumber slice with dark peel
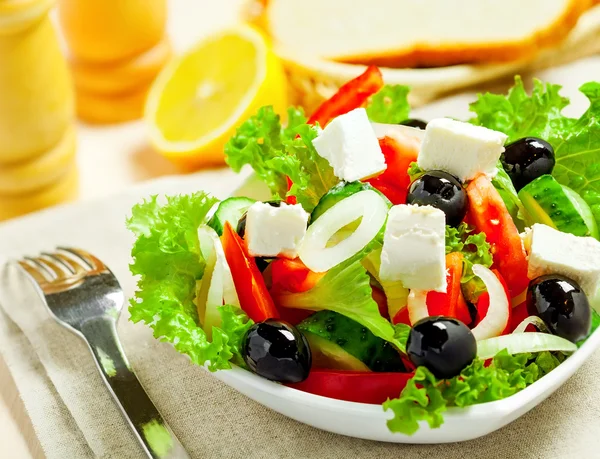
344	342
547	202
337	193
230	210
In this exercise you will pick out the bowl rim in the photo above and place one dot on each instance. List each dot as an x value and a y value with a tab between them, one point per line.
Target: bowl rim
503	406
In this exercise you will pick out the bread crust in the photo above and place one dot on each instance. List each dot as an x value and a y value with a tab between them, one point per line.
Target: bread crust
424	55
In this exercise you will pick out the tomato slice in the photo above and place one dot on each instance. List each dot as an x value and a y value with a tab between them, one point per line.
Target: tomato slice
293	275
250	286
519	314
354	386
381	300
395	181
452	303
292	315
351	95
489	215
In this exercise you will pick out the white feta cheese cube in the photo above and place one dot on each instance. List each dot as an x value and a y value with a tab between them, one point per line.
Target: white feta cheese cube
414	248
275	231
349	144
460	149
554	252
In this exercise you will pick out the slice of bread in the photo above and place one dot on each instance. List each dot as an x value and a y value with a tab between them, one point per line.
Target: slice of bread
421	33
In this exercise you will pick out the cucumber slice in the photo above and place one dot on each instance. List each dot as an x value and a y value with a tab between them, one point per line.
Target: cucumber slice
547	202
230	210
337	193
584	210
326	354
346	344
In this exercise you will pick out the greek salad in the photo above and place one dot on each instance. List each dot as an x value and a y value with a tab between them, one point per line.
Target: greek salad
418	265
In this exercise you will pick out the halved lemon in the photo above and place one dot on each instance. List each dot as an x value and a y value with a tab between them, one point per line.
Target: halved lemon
199	99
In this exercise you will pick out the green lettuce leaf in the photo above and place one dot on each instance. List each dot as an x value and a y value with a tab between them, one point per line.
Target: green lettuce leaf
508	193
425	398
314	177
594	327
401	332
476	250
276	152
520	115
414	171
167	257
389	105
256	142
575	141
345	289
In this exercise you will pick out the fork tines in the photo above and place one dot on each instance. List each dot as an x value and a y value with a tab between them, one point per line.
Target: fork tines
65	263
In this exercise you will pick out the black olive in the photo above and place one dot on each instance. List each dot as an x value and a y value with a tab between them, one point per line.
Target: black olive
277	351
413	122
241	226
527	159
562	305
442	344
443	191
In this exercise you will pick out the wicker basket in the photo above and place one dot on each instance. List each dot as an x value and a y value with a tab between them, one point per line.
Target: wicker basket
312	80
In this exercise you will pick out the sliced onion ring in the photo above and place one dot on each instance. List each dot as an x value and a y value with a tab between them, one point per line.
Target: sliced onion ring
496	319
313	250
532	320
519	343
216	286
417	306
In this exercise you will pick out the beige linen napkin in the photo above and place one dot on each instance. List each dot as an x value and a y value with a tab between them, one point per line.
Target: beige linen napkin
75	418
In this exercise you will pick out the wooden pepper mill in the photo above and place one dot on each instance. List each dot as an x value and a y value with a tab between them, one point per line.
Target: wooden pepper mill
117	48
37	133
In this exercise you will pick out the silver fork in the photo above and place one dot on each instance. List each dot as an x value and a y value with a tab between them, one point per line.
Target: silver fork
84	296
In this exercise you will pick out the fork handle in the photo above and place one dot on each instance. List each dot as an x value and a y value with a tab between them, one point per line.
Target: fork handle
155	436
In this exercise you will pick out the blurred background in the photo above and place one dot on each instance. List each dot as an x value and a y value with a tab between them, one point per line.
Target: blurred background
98	95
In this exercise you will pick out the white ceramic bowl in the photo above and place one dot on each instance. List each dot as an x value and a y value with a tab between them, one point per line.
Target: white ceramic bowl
366	421
369	421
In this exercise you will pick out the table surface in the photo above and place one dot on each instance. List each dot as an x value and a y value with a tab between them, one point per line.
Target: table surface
112	158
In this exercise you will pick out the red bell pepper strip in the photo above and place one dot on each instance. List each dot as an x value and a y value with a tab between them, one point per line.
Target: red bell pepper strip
488	213
452	303
351	95
354	386
250	286
483	304
395	181
401	317
290	199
